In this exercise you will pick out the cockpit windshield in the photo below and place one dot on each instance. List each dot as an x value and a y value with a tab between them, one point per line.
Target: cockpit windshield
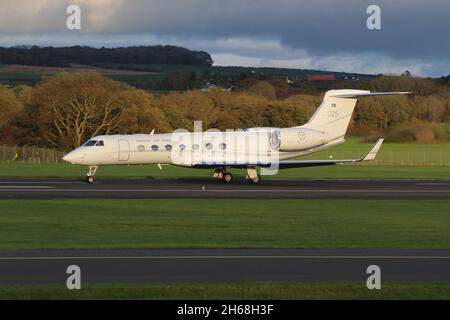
96	143
90	143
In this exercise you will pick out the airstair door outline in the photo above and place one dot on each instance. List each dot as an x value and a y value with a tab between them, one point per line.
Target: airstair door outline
124	150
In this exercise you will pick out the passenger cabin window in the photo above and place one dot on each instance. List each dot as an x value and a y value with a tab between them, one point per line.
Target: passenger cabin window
208	146
155	147
182	147
195	147
222	146
90	143
168	147
100	144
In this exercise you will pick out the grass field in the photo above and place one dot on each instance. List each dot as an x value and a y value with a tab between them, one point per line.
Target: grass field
240	291
26	170
394	161
188	223
19	78
30	78
412	154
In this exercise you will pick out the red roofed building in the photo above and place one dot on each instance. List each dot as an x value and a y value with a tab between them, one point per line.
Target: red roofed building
321	78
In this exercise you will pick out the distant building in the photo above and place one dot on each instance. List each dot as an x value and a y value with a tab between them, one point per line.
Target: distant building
351	78
210	86
313	77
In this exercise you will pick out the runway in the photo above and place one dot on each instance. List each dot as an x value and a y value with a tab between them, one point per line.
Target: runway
208	188
210	265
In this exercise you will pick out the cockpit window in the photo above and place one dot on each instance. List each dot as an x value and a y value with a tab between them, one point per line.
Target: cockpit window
100	144
90	143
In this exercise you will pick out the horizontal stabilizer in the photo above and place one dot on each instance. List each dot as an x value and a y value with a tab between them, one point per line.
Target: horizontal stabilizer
365	94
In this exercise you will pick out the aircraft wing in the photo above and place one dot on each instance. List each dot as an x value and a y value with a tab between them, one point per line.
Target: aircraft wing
284	164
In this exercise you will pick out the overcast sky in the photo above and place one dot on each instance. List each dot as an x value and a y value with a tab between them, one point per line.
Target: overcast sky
315	34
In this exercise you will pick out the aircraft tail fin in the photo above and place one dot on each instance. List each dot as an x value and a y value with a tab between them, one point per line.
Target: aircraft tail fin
334	113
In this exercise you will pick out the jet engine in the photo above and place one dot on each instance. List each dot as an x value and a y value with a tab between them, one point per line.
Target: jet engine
296	139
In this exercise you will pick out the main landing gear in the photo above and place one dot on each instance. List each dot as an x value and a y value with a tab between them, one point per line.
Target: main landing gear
221	175
252	176
91	173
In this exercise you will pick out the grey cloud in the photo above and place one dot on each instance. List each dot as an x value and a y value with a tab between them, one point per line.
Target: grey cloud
413	31
410	28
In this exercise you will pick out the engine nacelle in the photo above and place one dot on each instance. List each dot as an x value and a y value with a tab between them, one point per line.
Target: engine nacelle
297	139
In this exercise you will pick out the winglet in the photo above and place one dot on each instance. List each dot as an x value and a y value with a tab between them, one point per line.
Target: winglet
373	151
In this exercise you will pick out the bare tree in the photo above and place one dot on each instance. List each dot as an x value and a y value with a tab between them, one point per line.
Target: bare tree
75	107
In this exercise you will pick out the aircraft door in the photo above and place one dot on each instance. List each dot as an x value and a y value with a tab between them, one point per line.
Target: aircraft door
124	150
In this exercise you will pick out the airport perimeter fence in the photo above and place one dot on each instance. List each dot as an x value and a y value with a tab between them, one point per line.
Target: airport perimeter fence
387	156
30	154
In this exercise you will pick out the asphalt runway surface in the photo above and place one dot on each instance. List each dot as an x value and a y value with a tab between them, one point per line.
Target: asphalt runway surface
226	265
208	188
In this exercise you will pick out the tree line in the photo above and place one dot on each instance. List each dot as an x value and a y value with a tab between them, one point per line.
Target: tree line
66	110
65	56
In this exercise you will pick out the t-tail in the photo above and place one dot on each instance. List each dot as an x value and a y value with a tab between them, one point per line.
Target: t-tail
334	113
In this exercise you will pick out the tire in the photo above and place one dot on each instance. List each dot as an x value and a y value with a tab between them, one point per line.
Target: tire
227	177
256	180
90	179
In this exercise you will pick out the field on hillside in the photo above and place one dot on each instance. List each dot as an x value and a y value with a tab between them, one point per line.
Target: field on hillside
140	75
232	70
14	75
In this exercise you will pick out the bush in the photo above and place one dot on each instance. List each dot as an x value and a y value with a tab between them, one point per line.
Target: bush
416	132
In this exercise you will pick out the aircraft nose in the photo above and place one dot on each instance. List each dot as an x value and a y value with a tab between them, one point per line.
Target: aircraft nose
75	157
68	157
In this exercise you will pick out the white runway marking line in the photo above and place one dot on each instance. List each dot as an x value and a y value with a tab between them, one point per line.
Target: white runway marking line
42	182
23	188
433	184
331	257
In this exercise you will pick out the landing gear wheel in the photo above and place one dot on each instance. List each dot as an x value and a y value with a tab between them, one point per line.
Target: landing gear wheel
227	177
254	180
91	173
252	175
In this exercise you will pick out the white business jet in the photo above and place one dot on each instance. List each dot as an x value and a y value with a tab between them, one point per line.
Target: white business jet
266	148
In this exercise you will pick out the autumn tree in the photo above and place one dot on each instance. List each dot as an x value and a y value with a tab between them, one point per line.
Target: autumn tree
71	108
10	106
263	88
182	109
140	113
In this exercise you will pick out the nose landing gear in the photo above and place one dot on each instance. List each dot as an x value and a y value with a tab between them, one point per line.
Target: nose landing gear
91	173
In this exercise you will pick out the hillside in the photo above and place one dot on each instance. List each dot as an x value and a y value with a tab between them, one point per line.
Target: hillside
153	68
65	56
